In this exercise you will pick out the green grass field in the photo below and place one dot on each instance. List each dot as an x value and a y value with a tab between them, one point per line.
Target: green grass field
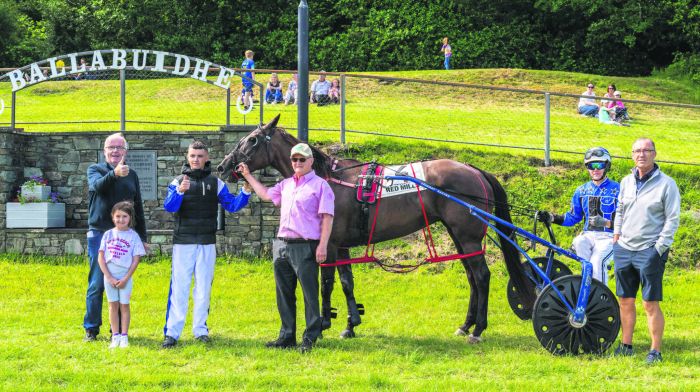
404	343
405	109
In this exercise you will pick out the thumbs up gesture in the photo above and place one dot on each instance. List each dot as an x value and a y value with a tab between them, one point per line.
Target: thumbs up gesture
122	170
184	184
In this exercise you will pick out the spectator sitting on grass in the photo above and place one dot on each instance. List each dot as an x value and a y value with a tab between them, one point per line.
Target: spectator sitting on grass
319	90
291	96
608	94
273	92
334	92
620	113
587	106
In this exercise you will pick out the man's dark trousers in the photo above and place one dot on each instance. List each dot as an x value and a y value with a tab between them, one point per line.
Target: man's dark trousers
294	260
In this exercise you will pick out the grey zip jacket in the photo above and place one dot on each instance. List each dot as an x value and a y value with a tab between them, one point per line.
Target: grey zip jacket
650	216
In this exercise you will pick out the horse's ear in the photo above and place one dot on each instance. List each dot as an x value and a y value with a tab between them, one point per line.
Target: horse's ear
272	124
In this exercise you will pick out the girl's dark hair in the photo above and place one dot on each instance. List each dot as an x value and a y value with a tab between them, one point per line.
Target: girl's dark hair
125	206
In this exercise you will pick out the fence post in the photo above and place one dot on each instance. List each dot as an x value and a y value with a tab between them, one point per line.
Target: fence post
13	111
342	109
262	102
228	107
303	71
122	95
546	129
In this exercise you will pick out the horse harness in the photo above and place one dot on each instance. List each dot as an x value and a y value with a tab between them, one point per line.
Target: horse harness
369	192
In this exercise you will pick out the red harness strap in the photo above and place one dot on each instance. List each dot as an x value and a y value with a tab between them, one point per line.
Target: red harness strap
368	257
427	234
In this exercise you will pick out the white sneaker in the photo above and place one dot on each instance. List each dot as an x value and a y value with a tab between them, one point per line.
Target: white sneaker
116	339
124	341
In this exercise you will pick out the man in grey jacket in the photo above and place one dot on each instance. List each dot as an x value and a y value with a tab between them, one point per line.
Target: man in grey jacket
648	214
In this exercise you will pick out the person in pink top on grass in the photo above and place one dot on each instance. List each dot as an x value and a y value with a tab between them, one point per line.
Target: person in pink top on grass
307	206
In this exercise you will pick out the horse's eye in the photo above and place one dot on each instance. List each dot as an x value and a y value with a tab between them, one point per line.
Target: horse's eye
253	142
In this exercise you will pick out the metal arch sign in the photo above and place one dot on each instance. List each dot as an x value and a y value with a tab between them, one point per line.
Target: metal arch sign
119	59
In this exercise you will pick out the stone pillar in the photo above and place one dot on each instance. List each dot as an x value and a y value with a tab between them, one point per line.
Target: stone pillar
11	164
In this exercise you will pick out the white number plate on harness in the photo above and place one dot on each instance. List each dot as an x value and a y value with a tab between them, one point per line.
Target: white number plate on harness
395	187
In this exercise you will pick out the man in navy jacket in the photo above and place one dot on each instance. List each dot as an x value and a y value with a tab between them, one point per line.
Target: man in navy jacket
108	183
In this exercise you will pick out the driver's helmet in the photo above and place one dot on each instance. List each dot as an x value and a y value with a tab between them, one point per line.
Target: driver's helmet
597	154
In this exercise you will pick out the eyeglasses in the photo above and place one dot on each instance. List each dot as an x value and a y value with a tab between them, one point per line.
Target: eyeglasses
595	165
591	86
115	148
302	160
642	151
611	88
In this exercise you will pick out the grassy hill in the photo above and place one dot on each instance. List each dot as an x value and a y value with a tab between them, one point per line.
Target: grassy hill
389	107
408	110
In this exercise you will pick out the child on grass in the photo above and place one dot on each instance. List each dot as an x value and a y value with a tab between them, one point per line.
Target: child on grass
119	255
334	92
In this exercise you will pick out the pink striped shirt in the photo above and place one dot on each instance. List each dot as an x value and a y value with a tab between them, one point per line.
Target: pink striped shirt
302	201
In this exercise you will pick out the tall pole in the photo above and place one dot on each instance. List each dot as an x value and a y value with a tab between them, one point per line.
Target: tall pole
303	69
546	130
122	95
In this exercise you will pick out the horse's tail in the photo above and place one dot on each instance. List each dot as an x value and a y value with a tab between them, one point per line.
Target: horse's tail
510	252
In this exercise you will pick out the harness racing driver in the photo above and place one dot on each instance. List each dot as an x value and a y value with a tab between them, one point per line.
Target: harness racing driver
596	201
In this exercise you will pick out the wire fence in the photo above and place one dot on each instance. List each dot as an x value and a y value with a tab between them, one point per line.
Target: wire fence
536	122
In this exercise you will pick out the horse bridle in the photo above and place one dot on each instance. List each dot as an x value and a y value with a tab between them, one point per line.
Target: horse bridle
249	156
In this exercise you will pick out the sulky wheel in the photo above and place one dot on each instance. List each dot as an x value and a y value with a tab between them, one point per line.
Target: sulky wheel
557	332
515	301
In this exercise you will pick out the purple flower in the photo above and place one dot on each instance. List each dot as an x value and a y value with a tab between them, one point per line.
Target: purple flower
37	180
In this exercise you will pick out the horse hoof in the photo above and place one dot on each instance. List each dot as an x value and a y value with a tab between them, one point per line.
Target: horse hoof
347	334
474	339
460	332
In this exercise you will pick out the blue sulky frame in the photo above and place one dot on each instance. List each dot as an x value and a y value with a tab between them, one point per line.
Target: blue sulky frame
578	313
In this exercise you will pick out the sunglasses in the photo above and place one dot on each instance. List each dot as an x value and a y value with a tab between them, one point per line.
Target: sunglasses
595	165
591	86
302	160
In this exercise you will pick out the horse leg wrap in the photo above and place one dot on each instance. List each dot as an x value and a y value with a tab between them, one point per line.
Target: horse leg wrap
327	282
326	315
354	312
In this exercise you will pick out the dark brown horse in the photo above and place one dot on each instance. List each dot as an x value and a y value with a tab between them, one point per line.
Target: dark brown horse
400	215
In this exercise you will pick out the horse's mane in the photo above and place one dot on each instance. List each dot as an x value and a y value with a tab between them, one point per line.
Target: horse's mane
322	162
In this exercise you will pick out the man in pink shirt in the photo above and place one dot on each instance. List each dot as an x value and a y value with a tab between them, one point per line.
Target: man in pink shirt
307	206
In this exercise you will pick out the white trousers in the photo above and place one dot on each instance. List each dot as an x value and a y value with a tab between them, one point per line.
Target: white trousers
596	247
187	260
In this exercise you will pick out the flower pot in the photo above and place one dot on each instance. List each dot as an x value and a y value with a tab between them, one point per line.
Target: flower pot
35	215
36	192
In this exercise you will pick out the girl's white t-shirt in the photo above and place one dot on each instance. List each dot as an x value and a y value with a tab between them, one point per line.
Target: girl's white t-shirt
120	247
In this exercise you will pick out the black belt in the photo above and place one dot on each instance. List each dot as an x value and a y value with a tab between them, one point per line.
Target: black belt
295	240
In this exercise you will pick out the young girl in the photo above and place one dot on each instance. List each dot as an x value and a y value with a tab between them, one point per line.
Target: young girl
119	255
447	49
334	92
273	93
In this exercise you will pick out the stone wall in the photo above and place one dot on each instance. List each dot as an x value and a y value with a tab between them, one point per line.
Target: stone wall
63	159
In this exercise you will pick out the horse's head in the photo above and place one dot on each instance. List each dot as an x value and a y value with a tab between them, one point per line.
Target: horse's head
255	150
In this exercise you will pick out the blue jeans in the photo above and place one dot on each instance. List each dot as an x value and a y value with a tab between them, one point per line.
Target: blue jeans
588	110
93	300
275	96
447	62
